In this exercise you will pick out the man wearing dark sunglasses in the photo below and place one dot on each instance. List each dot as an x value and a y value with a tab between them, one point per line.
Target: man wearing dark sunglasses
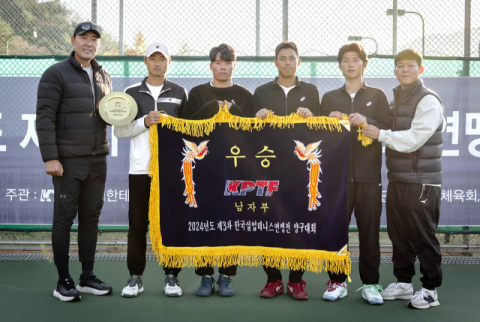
73	143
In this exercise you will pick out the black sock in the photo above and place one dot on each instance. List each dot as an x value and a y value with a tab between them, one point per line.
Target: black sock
87	268
86	274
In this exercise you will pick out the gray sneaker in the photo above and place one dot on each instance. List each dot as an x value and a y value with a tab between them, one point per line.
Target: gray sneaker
224	287
134	286
172	286
207	286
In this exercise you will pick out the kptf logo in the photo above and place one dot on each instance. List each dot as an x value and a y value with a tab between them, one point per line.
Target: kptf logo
45	195
241	187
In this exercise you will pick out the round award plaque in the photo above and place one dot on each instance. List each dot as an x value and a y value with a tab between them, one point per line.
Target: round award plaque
118	108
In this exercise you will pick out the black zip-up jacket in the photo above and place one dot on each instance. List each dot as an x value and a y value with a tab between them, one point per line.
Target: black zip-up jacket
371	102
272	97
68	122
171	100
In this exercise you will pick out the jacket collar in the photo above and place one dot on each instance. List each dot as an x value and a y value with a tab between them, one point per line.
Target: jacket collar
404	94
71	59
344	89
297	81
144	87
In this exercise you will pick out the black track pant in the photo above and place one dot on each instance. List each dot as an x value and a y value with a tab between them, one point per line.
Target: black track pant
413	211
366	199
229	270
79	190
275	274
139	185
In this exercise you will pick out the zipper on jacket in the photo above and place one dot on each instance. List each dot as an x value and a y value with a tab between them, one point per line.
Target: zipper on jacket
94	109
351	106
414	160
286	98
161	92
351	138
286	104
154	100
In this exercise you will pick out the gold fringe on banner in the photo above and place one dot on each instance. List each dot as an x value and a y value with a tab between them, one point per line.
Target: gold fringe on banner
205	127
281	258
366	141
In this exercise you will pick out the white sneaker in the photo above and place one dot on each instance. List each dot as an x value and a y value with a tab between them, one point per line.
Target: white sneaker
335	291
172	287
370	293
134	286
394	291
424	299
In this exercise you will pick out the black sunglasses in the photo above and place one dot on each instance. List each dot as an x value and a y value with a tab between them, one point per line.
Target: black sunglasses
90	26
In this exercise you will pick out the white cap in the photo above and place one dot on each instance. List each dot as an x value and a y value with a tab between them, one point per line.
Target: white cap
157	47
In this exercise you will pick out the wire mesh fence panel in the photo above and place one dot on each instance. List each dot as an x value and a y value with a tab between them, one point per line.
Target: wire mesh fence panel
252	27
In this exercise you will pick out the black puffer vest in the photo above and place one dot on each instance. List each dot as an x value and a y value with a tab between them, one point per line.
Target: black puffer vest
425	164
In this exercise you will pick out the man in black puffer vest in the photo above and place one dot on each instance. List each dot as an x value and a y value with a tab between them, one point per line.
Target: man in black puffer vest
414	164
73	143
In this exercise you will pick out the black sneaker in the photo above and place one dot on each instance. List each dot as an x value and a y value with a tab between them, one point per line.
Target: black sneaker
92	284
66	291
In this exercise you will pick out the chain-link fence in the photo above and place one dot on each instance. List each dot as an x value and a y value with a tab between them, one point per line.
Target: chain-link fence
252	27
444	28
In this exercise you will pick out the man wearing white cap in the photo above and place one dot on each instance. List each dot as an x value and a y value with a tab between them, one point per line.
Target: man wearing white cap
155	93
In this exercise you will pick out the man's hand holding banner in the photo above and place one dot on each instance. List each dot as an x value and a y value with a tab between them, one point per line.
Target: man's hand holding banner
243	191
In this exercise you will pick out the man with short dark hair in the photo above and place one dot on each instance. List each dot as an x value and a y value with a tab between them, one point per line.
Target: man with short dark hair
155	93
362	104
285	95
73	143
204	102
275	97
414	164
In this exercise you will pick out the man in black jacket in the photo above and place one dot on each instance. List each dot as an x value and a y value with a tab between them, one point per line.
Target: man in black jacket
73	143
285	95
204	102
362	104
414	164
155	93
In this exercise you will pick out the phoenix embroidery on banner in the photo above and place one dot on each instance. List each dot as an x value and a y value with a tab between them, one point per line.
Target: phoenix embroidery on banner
191	152
312	155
